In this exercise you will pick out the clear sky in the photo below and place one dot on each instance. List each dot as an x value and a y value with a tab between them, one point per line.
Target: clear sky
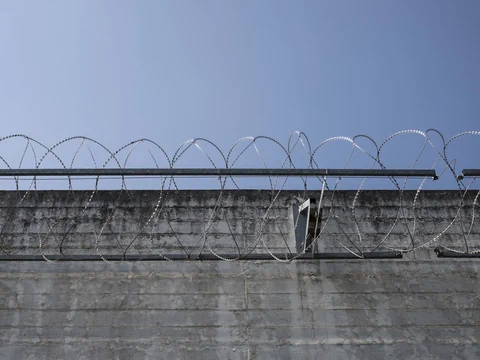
175	70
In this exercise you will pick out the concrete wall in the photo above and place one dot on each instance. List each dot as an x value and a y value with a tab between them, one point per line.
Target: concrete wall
418	307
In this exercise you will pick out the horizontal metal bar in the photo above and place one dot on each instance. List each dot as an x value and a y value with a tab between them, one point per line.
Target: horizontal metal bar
220	172
444	253
470	173
202	257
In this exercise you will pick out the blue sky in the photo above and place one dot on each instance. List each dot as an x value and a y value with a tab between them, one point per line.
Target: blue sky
174	70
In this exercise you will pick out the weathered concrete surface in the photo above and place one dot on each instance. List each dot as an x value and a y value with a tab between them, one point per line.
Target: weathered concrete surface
419	307
398	309
112	222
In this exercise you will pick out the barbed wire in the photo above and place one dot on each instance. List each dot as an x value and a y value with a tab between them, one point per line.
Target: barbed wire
270	230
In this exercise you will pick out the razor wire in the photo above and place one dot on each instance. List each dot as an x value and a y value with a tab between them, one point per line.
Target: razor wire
151	229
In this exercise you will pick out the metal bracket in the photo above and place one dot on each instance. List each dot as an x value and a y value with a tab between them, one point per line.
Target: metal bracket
306	220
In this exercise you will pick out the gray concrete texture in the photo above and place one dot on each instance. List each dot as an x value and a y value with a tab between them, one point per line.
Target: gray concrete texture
108	222
418	307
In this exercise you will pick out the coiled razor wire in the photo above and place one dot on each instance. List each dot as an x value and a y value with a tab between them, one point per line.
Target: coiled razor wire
438	158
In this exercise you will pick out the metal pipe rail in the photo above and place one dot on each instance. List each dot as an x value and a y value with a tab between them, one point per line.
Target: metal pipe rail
444	253
203	257
221	172
469	173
